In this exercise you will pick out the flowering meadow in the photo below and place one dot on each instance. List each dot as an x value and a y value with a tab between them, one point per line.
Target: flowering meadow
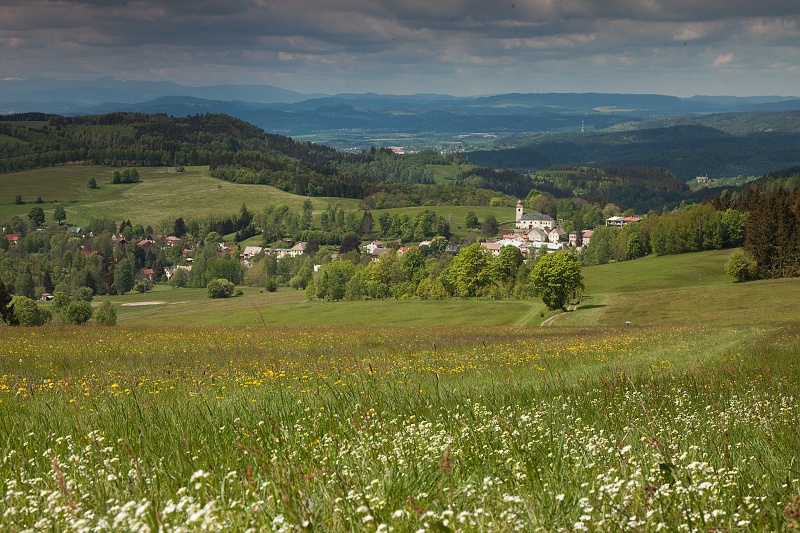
400	429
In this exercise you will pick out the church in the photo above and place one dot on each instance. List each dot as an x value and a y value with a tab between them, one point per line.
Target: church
529	221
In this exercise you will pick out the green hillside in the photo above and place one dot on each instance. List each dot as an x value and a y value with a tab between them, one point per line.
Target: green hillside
161	196
681	290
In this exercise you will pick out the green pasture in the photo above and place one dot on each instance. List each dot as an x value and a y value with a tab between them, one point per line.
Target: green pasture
681	290
256	307
162	196
446	174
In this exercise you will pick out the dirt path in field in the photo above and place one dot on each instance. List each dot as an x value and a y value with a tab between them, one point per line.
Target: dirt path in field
550	320
527	317
136	304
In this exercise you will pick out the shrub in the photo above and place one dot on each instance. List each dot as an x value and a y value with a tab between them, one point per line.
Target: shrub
60	302
27	313
220	288
742	266
106	315
78	312
84	294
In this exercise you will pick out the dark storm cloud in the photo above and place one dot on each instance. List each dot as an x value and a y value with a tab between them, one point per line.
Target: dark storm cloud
412	44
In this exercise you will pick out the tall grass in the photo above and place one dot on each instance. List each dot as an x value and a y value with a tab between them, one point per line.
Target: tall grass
408	428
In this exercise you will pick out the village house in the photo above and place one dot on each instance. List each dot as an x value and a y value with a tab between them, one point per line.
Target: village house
378	252
493	247
555	234
12	238
298	249
537	235
622	221
251	251
374	245
580	239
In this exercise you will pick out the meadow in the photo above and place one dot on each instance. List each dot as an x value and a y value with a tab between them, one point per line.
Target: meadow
162	196
672	423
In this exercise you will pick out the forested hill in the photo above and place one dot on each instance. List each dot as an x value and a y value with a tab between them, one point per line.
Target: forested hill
240	152
687	150
234	149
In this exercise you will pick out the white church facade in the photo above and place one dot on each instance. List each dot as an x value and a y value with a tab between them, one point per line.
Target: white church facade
528	221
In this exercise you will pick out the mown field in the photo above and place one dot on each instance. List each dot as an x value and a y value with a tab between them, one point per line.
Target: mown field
685	420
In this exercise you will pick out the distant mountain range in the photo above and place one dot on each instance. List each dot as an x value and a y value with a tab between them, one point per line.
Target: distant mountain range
291	113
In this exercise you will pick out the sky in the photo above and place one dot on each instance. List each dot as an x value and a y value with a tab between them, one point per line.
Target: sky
458	47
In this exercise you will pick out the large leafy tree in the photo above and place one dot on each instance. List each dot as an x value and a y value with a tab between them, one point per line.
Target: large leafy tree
470	272
36	216
59	214
556	278
506	264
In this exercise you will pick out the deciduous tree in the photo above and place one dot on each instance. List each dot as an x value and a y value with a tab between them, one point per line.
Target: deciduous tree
59	214
124	276
36	215
556	278
470	271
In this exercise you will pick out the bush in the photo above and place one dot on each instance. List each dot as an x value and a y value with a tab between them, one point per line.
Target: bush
60	302
220	288
27	313
143	285
742	266
78	312
85	294
106	315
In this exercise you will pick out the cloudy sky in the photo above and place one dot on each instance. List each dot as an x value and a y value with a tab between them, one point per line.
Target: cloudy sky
460	47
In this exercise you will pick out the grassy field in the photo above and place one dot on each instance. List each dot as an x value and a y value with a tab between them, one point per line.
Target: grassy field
168	306
282	414
688	289
162	196
445	174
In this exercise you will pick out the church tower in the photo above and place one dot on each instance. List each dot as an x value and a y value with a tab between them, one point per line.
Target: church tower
520	210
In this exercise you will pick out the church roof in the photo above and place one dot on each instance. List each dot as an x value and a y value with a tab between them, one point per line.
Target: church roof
536	216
